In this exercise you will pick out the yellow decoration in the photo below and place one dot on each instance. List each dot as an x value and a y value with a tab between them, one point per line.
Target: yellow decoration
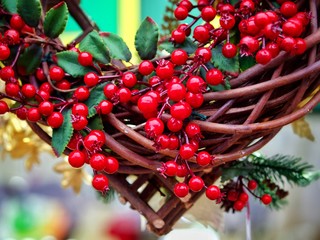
302	128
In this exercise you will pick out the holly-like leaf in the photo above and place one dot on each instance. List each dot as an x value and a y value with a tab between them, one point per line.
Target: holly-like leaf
146	39
118	48
9	5
302	128
68	60
30	59
94	44
230	65
188	45
95	123
30	11
56	20
62	135
246	62
96	96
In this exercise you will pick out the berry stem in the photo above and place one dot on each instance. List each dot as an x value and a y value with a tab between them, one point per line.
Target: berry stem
16	57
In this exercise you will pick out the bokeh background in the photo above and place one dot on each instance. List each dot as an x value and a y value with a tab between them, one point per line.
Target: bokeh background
33	205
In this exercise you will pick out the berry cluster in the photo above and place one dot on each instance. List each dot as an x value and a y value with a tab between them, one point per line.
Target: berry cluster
166	91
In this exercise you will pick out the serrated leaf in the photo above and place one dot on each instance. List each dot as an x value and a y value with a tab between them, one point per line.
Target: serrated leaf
146	39
68	60
56	20
188	45
30	11
30	59
9	5
117	47
302	128
96	96
246	62
95	123
230	65
62	135
94	44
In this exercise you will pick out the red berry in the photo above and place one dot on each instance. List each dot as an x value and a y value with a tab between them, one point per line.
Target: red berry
266	199
292	28
213	192
46	108
174	142
163	141
79	122
227	21
273	48
181	13
94	140
300	46
16	22
56	73
40	75
146	67
91	79
112	165
201	34
55	120
195	100
184	28
98	161
187	4
4	52
124	95
147	104
193	130
129	79
263	56
181	110
12	89
178	36
252	184
100	182
243	197
288	9
176	91
85	59
174	125
182	170
196	84
208	13
186	151
214	77
202	3
154	127
63	84
33	115
261	20
196	184
229	50
204	54
22	113
204	158
13	36
288	43
226	8
6	73
28	90
247	6
249	44
171	168
179	57
181	190
110	90
77	159
105	107
80	109
3	107
238	205
81	93
165	69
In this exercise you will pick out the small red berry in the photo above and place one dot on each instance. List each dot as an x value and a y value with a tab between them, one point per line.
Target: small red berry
176	92
179	56
80	109
146	67
214	77
40	75
12	89
55	120
147	104
229	50
6	73
263	56
288	9
193	130
213	192
56	73
79	122
204	54
182	170
13	36
181	13
4	108
77	159
181	110
105	107
171	168
178	36
16	22
195	100
243	197
110	90
186	151
4	52
227	21
238	205
129	79
196	84
154	127
81	93
201	34
100	182
208	13
63	84
46	108
196	184
33	115
204	158
181	190
112	165
91	79
252	184
98	161
85	59
165	69
94	140
266	199
124	95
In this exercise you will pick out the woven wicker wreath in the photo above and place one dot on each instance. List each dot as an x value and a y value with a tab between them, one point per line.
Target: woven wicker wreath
234	122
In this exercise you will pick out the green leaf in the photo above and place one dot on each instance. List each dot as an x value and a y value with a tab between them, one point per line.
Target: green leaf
68	60
246	62
146	39
9	5
118	48
188	45
56	20
95	123
94	44
62	135
230	65
30	11
96	96
30	59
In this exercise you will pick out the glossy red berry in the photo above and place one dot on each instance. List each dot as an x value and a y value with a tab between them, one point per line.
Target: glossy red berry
112	165
208	13
184	28
170	168
12	89
181	190
165	69
176	92
252	184
124	95
12	36
214	77
182	170
174	142
146	67
4	52
196	84
196	184
292	28
273	48
193	130
178	36
98	161
179	57
174	125
6	73
56	73
4	108
204	158
266	199
33	115
85	59
55	120
94	140
181	13
243	197
105	107
100	182
28	90
238	205
201	34
300	47
154	127
195	100
81	93
63	84
40	75
147	104
213	192
16	22
80	109
46	108
288	44
79	122
288	9
77	159
91	79
227	21
129	79
229	50
187	4
204	54
181	110
186	151
263	56
110	90
22	113
261	20
162	141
